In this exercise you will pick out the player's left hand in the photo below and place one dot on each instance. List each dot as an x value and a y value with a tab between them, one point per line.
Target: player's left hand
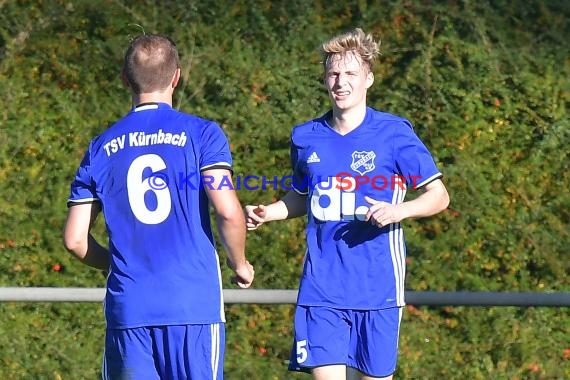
381	213
244	275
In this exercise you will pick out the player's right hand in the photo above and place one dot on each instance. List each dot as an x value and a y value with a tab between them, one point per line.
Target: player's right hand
255	216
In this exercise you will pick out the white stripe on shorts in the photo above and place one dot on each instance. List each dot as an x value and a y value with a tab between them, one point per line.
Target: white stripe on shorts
215	335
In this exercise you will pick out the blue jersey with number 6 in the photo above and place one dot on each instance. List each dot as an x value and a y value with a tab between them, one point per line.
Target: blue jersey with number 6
350	263
145	172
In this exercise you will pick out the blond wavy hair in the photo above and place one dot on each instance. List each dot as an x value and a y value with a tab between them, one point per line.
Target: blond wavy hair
363	45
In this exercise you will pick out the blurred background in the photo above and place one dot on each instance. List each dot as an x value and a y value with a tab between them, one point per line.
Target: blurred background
485	83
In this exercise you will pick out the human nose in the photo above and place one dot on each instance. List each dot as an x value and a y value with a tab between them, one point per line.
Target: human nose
341	79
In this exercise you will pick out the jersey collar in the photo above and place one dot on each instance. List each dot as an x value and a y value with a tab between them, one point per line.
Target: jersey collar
150	106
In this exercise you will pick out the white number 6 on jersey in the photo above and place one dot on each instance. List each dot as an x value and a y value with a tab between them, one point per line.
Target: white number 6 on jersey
137	188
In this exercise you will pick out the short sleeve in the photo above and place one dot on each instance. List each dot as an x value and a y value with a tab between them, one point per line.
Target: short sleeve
413	159
83	187
214	148
300	183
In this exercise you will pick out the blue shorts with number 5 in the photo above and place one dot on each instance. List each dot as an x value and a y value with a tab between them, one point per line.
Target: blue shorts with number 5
363	339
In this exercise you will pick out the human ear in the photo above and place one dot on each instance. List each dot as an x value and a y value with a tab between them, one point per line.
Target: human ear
369	79
176	78
124	79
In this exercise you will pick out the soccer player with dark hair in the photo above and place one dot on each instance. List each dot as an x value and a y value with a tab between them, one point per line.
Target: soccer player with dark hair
164	304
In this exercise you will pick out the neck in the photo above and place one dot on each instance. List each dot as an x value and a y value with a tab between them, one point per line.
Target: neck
345	121
152	97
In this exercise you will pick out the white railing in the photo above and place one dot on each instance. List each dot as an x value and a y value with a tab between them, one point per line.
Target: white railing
285	296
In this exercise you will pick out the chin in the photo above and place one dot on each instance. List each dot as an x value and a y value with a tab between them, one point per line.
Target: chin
343	106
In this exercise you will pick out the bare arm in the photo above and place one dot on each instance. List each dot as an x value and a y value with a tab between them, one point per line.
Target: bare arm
78	240
292	205
433	200
231	224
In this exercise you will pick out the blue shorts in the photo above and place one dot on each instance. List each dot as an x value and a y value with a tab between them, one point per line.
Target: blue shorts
165	352
363	339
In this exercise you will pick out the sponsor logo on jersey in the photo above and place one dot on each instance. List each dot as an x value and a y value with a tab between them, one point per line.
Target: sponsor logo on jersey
330	203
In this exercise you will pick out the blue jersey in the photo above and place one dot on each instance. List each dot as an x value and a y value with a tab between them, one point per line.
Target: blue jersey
145	172
351	263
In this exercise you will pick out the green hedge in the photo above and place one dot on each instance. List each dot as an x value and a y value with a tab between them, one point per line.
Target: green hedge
486	85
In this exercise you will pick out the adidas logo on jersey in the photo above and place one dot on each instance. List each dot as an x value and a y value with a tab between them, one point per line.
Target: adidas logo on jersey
313	158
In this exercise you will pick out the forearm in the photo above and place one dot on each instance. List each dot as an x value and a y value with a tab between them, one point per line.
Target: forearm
292	205
78	240
232	234
93	254
229	217
434	200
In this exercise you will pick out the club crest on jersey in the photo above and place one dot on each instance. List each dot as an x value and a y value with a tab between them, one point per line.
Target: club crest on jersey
363	162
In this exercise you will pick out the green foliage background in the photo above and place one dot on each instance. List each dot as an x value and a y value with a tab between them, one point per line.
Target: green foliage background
486	84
